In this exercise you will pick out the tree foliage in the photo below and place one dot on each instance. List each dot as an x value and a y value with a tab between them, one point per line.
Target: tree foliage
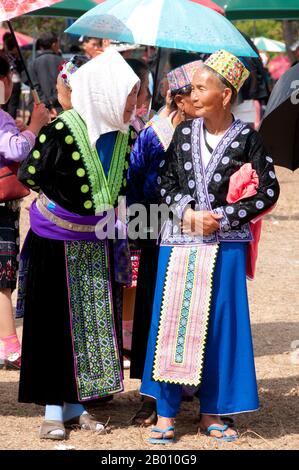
271	29
35	26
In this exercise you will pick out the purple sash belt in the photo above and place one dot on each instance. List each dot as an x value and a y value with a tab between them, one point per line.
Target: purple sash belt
49	220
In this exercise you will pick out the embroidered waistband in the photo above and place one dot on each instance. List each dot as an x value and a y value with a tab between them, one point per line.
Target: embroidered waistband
43	203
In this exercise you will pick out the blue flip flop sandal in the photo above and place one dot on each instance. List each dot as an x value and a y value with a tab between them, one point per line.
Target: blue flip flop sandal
221	429
226	420
163	439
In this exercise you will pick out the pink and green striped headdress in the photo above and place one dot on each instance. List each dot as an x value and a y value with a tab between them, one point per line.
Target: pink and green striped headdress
181	77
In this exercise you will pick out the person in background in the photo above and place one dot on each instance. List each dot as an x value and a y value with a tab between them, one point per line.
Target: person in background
170	60
92	47
142	112
14	147
11	52
44	71
255	92
144	96
295	49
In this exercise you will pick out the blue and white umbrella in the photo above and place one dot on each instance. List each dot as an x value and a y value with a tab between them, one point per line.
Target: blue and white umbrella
175	24
269	45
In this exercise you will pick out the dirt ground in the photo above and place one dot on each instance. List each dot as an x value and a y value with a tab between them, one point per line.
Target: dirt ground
274	299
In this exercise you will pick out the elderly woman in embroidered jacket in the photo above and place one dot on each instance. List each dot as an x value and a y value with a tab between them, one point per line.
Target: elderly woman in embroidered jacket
72	328
217	179
146	156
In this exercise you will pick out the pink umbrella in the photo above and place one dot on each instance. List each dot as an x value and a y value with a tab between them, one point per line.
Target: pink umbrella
278	66
210	4
23	39
11	9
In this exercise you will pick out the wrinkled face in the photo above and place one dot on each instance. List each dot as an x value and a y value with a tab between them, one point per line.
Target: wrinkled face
131	103
63	94
5	88
208	95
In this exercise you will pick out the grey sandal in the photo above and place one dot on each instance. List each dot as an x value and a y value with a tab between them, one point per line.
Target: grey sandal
88	422
49	426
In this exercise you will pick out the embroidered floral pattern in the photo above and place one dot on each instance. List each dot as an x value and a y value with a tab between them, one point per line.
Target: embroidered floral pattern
97	363
185	308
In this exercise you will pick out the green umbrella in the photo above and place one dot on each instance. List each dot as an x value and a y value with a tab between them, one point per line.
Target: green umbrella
68	8
260	9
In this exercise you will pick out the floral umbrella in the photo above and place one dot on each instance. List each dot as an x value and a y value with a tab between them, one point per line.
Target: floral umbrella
11	9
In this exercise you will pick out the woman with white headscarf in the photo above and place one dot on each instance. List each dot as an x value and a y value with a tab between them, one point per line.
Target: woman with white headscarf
71	335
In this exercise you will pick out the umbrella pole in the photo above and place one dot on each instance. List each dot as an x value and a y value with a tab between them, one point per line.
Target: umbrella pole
33	91
156	76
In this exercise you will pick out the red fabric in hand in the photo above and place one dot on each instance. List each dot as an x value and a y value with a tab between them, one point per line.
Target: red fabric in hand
243	184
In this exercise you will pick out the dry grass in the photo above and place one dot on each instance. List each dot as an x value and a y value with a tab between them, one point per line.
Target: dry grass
274	298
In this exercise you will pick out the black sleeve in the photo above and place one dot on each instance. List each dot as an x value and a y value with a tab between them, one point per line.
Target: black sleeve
247	209
38	170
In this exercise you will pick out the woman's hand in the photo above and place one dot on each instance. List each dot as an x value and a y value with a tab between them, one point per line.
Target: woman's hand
167	110
201	223
40	117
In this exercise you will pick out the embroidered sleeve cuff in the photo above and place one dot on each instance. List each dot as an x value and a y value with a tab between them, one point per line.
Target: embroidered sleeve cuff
224	222
180	207
30	137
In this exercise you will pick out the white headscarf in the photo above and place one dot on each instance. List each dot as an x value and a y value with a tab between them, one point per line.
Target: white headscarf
100	90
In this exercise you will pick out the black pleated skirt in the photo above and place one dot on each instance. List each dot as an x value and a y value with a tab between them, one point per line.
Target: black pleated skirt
47	372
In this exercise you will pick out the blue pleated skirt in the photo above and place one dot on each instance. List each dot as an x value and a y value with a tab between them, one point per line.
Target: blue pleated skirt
229	380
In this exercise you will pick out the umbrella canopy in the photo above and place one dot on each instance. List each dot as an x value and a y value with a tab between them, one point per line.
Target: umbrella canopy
257	9
188	26
210	4
269	45
280	126
23	39
68	8
278	66
12	8
72	9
